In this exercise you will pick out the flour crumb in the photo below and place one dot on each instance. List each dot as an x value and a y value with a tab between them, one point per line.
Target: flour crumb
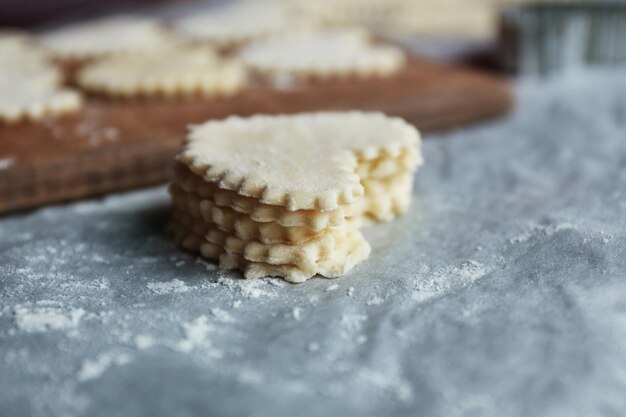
144	342
398	387
297	313
94	368
196	337
248	288
350	292
47	316
236	303
168	287
250	376
539	229
222	315
432	284
374	301
313	347
332	287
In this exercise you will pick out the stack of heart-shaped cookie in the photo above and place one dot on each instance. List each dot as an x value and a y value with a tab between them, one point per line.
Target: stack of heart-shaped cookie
284	195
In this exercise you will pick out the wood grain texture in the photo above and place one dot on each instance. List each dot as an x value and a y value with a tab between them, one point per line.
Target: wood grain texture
117	145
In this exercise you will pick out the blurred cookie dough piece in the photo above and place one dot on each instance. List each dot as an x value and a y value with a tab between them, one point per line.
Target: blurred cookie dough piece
106	36
240	23
21	100
164	73
322	54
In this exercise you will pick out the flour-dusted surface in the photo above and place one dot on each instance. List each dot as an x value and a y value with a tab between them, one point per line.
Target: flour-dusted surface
501	293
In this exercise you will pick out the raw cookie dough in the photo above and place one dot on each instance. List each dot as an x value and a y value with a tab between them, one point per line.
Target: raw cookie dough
334	170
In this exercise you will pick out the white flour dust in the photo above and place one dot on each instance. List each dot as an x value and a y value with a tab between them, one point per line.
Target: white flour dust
94	368
43	318
432	284
168	287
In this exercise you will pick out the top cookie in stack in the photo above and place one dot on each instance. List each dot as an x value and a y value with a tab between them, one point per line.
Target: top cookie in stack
283	195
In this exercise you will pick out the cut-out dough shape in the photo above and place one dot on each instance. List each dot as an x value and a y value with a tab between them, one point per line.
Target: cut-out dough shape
301	162
169	72
349	249
21	100
264	213
322	54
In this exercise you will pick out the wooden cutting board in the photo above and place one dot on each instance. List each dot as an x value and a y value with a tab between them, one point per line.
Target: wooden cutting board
116	145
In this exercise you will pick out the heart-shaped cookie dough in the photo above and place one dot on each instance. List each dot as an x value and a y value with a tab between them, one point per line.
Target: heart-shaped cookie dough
302	162
284	195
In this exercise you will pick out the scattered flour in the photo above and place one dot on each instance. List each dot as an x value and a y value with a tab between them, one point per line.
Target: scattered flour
297	313
398	387
250	376
196	337
168	287
350	292
248	288
47	317
313	347
352	323
539	229
276	282
443	280
144	342
222	315
332	287
374	301
94	368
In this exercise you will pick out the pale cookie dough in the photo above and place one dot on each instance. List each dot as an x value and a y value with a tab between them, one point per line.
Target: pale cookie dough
236	24
21	60
241	225
123	34
301	162
384	199
21	100
357	166
349	249
427	18
263	213
374	14
169	72
303	255
18	49
322	54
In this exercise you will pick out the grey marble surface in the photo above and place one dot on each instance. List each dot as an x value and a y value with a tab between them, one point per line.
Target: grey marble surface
501	293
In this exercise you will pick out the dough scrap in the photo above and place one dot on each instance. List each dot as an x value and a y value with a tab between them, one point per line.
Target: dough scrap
322	54
301	162
167	72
